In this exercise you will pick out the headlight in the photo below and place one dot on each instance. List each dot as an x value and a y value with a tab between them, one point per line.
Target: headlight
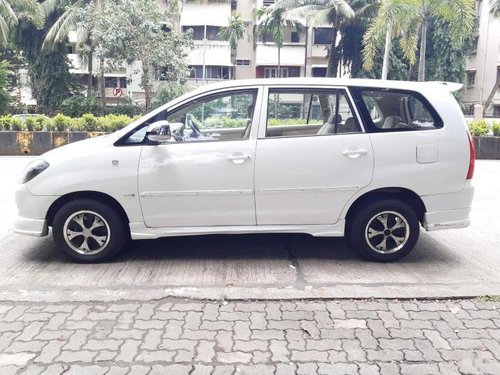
32	170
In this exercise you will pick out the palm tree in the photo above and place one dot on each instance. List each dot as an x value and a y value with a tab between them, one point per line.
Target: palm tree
233	33
69	21
320	12
11	11
272	21
495	7
410	19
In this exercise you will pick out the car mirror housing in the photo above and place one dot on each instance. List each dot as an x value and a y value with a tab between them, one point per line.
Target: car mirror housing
159	132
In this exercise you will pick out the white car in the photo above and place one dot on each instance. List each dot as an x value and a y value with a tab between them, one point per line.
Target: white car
369	160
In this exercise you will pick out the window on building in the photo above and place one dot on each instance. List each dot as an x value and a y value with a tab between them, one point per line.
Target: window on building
242	62
198	31
475	43
496	111
71	48
295	37
211	72
111	82
285	72
268	3
319	72
471	78
322	35
212	32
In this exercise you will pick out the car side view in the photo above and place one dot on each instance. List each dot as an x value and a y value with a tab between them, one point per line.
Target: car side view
366	159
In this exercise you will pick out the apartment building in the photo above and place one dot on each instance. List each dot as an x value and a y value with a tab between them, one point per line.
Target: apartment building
483	67
211	59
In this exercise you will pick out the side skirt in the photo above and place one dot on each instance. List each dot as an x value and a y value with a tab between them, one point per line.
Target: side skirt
139	231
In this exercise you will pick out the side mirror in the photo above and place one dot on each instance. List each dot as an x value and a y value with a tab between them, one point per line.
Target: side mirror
159	132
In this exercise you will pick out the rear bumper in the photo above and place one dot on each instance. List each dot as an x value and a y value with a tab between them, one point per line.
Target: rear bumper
449	219
31	227
447	211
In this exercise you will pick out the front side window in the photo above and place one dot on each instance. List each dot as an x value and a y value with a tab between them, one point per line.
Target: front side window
396	110
309	112
221	117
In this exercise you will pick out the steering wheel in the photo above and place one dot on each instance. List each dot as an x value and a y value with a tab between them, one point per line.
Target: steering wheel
196	132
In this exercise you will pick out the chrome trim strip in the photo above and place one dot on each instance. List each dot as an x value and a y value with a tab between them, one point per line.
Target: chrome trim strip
193	193
308	190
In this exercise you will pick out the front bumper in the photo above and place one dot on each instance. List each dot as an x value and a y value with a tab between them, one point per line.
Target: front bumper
31	227
31	218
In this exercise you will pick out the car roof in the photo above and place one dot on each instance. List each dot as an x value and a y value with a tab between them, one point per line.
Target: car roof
322	81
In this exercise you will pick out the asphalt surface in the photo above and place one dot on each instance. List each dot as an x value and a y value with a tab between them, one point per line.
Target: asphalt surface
452	263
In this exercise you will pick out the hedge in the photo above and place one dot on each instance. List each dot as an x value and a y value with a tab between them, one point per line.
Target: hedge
480	128
87	122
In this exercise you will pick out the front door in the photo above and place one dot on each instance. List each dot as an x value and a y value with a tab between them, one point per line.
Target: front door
205	175
312	156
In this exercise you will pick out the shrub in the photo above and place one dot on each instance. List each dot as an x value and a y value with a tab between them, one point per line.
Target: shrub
61	123
5	122
111	123
479	128
87	122
16	124
496	129
79	105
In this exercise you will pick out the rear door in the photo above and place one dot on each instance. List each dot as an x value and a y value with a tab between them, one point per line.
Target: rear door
312	155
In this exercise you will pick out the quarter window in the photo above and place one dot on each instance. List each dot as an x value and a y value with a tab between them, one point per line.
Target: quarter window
394	110
308	112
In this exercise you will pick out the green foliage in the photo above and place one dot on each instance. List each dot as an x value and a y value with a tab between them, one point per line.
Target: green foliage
133	30
167	92
51	81
61	123
496	129
479	128
78	105
446	62
4	96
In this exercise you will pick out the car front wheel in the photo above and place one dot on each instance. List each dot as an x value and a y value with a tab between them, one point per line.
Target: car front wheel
384	231
88	231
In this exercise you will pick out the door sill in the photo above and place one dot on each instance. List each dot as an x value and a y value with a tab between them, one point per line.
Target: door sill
139	231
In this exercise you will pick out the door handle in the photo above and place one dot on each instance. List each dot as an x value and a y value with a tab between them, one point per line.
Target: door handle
353	154
238	158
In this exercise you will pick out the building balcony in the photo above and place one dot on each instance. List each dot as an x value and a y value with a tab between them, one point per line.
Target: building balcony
292	54
210	52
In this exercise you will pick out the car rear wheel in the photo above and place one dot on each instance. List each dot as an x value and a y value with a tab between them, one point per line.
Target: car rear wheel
384	231
88	231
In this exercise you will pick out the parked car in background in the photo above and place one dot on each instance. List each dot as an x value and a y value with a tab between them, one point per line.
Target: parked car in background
366	159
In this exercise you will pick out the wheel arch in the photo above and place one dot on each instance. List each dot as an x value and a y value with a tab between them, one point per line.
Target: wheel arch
405	195
94	195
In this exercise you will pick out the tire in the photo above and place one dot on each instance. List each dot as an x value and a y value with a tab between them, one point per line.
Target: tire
101	243
384	242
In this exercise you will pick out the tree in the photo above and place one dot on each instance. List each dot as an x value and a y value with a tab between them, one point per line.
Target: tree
11	11
495	7
410	21
336	13
136	32
68	21
51	80
272	21
4	96
233	33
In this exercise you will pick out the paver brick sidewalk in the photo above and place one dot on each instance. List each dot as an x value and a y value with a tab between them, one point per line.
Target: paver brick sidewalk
184	337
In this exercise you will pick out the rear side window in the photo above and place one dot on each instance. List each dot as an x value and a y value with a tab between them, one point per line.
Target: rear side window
396	110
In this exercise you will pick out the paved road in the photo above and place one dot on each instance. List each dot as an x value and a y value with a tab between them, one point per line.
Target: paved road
274	338
450	263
